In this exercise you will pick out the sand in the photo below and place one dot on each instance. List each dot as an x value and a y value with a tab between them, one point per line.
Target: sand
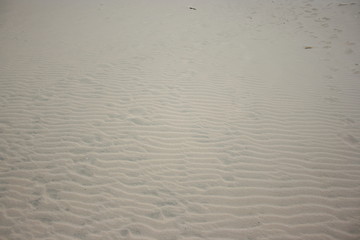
138	119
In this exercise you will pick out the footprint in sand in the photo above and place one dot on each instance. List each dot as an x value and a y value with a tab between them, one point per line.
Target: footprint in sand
349	139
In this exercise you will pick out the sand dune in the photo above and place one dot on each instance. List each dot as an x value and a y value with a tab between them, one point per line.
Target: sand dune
150	120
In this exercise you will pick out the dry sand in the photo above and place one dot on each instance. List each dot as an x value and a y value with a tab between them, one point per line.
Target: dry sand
141	119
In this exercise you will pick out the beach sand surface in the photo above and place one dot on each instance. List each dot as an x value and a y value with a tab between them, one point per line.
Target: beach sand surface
180	120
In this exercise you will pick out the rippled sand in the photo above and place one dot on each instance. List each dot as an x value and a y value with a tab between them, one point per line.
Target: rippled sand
179	120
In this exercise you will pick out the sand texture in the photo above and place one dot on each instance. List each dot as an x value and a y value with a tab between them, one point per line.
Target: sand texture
180	120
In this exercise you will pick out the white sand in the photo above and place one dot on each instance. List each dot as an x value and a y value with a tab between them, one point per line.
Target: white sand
139	119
